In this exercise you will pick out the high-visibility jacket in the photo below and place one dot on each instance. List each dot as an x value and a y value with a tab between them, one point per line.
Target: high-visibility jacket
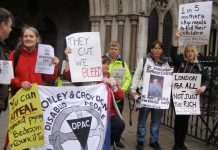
125	84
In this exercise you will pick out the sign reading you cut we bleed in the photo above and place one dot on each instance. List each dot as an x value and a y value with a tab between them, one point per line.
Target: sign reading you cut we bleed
85	59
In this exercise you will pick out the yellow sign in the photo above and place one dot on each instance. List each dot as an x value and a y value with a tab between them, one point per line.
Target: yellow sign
25	119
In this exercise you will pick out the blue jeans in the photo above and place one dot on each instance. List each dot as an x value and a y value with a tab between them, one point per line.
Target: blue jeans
156	115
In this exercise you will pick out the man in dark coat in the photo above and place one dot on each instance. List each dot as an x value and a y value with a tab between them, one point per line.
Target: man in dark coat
6	18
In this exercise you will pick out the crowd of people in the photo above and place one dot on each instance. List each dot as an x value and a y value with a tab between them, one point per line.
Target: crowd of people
116	75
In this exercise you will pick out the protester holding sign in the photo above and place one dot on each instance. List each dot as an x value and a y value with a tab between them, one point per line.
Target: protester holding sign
186	63
24	61
117	124
118	69
5	29
156	58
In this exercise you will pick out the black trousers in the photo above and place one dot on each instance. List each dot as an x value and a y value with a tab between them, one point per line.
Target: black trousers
120	105
180	128
117	128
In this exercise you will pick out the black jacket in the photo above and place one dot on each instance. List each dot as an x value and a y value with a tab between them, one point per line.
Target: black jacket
183	66
4	89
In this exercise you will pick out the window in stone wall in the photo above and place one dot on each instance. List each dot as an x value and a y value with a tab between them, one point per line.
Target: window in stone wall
48	32
152	28
167	33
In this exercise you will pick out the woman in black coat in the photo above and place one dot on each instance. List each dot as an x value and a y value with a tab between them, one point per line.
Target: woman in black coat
186	63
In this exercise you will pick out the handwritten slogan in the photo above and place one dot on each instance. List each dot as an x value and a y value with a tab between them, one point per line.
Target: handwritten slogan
185	99
6	72
85	59
25	119
156	86
74	117
44	64
194	23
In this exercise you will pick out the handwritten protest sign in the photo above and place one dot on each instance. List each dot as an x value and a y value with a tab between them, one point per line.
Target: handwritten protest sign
43	63
74	117
185	99
194	23
6	72
85	59
119	75
157	86
25	119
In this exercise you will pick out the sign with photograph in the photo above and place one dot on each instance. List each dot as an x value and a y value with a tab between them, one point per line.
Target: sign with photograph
157	86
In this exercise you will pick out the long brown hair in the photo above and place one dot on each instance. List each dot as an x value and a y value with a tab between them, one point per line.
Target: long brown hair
34	30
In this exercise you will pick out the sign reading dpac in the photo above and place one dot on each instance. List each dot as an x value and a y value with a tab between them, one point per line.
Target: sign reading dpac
85	59
186	100
25	119
74	117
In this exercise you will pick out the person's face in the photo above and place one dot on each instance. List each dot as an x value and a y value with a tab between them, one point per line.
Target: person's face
29	39
114	51
190	54
105	68
157	51
155	81
6	28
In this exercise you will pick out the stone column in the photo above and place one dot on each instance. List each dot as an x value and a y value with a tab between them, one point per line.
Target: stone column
134	25
216	46
120	20
142	37
108	23
95	23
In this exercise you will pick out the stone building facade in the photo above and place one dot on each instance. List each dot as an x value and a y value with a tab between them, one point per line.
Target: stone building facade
134	23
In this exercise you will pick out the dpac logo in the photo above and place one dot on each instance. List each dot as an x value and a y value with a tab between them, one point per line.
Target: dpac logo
84	123
81	128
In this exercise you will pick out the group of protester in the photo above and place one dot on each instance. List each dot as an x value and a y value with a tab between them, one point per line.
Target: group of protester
116	74
183	63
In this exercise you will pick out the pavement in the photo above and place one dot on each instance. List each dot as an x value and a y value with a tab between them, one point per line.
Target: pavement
166	140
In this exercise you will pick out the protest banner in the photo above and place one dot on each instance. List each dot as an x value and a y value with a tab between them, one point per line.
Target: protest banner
25	119
74	117
157	86
44	56
195	22
186	101
6	72
85	59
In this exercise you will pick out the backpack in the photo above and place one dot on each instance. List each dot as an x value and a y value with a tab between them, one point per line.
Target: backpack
16	58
